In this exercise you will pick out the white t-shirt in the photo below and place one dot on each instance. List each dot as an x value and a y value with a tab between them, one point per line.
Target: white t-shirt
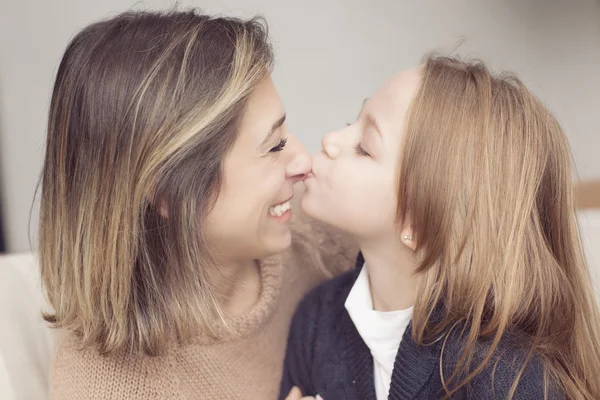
381	331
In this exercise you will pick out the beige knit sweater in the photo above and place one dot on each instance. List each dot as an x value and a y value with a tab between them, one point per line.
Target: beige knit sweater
248	367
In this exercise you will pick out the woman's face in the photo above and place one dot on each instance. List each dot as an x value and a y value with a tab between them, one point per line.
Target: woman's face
353	184
249	219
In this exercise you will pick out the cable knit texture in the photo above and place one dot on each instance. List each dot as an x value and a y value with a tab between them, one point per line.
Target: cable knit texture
247	366
327	356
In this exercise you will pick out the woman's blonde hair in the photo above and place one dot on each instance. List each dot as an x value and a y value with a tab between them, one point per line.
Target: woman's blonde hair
486	182
144	109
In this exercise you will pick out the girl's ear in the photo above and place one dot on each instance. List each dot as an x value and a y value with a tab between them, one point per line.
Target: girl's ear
407	236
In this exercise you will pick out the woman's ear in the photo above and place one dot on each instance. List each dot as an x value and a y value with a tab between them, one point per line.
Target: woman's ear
159	206
163	209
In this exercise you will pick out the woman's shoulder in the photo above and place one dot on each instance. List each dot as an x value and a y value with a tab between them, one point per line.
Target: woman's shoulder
331	251
83	373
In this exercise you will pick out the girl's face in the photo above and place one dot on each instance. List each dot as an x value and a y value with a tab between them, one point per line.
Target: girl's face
249	219
353	184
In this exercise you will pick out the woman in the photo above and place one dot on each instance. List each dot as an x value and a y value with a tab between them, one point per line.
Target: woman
165	212
472	284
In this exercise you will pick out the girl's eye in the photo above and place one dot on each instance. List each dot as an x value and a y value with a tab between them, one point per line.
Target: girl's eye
280	146
358	148
360	151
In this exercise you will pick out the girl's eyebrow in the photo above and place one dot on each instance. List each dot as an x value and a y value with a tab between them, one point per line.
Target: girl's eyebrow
371	120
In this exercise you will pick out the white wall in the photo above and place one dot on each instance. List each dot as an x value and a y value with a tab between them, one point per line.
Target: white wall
331	54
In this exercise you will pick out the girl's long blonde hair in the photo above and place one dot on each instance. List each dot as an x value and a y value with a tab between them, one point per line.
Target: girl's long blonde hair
144	109
487	183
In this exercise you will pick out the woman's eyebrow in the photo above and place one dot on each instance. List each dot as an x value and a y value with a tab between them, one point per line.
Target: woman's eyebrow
275	126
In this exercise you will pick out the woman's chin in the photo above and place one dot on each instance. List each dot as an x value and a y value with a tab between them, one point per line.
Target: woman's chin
276	244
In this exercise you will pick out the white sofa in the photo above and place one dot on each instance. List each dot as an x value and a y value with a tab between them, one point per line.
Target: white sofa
26	344
590	229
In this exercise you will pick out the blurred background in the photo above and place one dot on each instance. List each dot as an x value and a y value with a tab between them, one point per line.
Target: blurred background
330	55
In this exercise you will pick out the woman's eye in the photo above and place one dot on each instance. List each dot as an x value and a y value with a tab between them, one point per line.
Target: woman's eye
280	146
360	151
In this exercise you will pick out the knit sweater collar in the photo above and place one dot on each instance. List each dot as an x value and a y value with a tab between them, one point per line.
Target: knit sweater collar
244	325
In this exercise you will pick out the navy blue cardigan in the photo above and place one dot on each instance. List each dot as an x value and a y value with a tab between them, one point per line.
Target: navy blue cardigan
327	356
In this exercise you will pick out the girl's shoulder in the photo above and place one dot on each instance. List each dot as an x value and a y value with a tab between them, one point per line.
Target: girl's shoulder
328	299
511	360
319	313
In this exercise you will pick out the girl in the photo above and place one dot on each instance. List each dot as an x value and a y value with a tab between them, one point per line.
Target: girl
471	282
165	212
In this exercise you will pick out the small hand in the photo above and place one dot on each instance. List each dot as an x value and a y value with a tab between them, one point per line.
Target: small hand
296	394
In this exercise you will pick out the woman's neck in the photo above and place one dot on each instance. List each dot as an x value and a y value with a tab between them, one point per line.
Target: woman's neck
237	285
391	267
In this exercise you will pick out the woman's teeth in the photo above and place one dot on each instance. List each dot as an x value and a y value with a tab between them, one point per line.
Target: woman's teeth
279	209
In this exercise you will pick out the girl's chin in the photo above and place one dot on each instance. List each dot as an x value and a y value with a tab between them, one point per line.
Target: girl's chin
313	207
311	204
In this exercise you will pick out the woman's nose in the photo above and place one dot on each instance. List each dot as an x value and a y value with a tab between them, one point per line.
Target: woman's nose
300	163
